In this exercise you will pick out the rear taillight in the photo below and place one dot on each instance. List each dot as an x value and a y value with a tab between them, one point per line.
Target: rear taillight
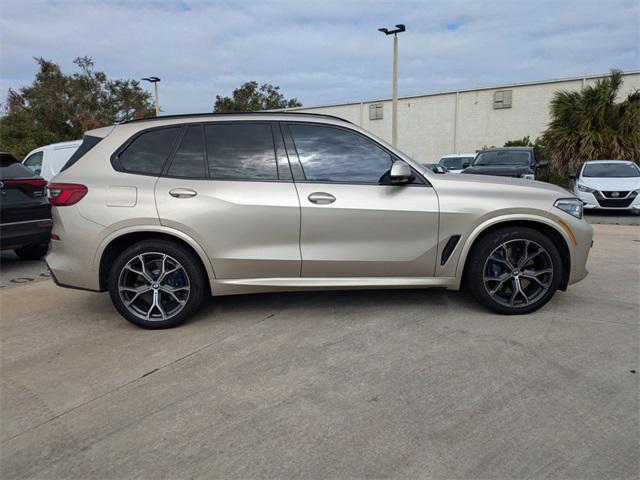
65	194
31	183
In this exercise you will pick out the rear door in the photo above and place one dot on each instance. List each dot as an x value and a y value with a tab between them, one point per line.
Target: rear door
229	186
352	225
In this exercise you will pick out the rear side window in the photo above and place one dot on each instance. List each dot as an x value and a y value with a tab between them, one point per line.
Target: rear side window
88	142
242	151
34	162
149	151
189	161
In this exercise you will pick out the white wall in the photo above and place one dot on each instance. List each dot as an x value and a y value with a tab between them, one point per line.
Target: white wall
427	126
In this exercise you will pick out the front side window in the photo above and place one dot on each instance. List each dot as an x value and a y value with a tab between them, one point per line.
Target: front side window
148	152
329	154
34	162
242	151
188	161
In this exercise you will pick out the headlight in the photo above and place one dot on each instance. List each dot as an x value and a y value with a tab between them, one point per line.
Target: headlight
584	188
573	206
528	176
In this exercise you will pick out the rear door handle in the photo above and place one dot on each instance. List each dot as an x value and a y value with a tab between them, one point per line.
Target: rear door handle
321	198
182	193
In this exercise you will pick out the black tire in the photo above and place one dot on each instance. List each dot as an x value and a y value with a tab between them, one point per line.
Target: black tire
32	252
191	274
507	299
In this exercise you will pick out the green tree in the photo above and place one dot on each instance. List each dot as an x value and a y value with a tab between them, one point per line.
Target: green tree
590	124
58	107
251	98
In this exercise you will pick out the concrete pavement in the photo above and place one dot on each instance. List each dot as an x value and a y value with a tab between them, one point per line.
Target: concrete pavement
400	384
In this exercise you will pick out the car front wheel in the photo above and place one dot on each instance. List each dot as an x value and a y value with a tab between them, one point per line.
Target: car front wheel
156	284
514	270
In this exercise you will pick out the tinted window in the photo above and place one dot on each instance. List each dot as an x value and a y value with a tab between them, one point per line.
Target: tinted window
188	160
241	151
455	163
34	162
335	155
10	169
503	157
610	170
148	152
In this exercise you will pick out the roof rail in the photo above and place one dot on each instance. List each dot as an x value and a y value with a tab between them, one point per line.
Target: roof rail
221	114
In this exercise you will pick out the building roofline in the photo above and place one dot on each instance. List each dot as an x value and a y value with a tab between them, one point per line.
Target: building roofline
449	92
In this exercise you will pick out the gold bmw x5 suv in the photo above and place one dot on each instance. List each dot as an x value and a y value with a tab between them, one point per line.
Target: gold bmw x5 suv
162	211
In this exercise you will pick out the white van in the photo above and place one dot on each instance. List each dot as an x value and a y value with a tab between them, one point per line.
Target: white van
47	161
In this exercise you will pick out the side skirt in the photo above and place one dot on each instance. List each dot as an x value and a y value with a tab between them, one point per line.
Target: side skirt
238	286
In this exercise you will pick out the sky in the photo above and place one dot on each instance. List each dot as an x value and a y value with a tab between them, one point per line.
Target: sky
321	52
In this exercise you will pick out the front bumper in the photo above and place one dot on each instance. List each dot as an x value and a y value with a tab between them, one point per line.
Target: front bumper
600	201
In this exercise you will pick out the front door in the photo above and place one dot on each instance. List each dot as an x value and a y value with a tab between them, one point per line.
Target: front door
225	187
351	225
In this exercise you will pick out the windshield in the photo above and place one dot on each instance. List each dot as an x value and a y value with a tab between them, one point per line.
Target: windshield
455	163
611	170
503	157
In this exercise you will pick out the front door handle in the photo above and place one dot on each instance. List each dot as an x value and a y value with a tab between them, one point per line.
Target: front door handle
182	193
321	198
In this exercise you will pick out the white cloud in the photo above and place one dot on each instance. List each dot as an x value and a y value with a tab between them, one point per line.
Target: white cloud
320	52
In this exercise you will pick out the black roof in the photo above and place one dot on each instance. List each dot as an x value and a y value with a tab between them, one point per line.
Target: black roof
216	115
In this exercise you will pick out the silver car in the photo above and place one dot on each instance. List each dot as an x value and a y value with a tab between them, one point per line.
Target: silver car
163	211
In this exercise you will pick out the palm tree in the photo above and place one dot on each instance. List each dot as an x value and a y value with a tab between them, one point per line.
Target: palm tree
589	124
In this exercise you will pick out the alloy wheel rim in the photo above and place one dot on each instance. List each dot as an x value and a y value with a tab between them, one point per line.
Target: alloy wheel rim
154	286
518	273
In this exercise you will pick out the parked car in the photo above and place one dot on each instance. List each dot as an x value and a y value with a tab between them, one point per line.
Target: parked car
518	162
436	167
456	162
47	161
25	214
162	211
608	184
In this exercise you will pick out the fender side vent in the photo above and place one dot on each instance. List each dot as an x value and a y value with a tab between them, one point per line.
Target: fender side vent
449	248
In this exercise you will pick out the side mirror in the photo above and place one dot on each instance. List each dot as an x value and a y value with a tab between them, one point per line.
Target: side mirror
573	176
400	172
543	163
465	164
37	171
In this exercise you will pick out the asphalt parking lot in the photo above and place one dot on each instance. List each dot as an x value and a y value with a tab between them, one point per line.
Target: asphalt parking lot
403	384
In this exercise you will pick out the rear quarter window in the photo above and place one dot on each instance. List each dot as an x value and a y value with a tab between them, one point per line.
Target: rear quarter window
147	153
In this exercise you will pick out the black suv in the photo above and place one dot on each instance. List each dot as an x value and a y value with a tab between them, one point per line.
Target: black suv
519	162
25	213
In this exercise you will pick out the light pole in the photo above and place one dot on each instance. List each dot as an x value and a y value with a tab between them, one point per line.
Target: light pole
394	109
155	81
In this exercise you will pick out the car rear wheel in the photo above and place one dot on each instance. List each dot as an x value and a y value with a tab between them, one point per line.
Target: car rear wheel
514	270
32	252
156	284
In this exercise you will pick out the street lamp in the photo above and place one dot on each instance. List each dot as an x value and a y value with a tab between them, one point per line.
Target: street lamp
155	81
394	109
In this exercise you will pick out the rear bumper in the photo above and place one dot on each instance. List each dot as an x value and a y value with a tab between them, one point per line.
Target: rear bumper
19	234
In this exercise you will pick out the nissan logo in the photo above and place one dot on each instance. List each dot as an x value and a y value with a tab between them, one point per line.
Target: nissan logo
615	194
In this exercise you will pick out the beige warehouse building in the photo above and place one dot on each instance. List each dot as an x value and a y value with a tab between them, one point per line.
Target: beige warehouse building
437	124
